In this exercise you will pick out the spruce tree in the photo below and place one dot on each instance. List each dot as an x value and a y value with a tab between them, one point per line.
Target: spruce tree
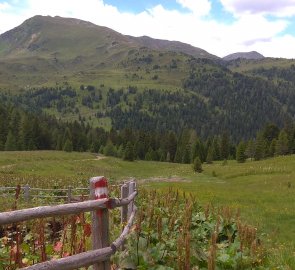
187	155
282	144
260	147
250	149
224	146
209	158
110	149
197	165
240	155
10	144
129	152
68	146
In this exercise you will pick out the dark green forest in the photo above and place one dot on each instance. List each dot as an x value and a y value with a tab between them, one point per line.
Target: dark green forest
21	130
211	101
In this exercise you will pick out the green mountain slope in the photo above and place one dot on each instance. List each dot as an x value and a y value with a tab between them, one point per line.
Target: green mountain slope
76	70
61	38
175	46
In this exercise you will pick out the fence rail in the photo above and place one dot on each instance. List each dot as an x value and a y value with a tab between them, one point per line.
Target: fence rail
70	194
99	204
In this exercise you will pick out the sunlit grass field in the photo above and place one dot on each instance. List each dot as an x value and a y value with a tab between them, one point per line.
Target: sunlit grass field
264	191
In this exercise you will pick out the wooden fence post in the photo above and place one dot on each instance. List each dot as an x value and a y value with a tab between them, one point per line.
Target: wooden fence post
27	193
69	194
130	205
124	208
100	219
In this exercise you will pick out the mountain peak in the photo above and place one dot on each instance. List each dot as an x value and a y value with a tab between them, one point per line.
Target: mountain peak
253	55
44	36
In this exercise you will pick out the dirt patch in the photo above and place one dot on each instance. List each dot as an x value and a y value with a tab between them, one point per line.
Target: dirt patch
7	166
96	158
99	157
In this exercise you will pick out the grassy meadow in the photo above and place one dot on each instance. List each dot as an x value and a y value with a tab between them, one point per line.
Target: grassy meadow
264	191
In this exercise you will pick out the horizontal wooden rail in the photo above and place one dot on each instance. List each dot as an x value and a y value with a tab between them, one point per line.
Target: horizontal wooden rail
113	203
50	189
63	209
44	211
86	258
7	188
48	196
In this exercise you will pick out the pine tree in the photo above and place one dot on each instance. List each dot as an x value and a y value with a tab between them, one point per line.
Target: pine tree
120	152
68	146
198	150
110	149
209	158
197	165
186	159
3	126
260	147
216	149
10	144
250	149
14	126
171	145
178	155
224	146
168	157
27	133
272	147
282	144
129	152
240	155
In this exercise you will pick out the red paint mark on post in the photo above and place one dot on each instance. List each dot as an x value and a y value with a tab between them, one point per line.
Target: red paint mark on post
100	189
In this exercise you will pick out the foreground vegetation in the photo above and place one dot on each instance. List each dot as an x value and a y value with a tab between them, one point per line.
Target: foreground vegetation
174	232
262	190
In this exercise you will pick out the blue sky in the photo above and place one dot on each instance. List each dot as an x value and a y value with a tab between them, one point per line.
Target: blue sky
139	6
218	26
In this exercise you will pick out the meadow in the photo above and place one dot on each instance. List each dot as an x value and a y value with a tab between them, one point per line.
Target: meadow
264	191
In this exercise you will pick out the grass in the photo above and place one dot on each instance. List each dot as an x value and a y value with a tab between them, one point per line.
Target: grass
264	191
248	65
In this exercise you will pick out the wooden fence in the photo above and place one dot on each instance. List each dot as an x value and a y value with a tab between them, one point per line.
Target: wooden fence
28	193
99	204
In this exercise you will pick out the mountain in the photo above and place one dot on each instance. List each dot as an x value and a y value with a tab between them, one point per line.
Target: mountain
62	38
243	55
174	46
65	38
76	70
48	49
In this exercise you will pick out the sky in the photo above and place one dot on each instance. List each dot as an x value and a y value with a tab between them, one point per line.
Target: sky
220	27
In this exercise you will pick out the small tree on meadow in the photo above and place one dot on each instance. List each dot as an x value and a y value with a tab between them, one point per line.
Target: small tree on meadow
197	165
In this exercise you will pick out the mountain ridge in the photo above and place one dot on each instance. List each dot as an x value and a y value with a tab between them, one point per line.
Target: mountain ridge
253	55
27	38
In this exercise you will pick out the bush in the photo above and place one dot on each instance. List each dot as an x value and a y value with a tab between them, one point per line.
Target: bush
197	165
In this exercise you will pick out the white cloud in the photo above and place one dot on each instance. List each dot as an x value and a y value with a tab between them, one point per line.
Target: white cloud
4	6
279	8
198	7
282	46
247	32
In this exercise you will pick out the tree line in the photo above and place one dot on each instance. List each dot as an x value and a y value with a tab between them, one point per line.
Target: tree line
21	130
